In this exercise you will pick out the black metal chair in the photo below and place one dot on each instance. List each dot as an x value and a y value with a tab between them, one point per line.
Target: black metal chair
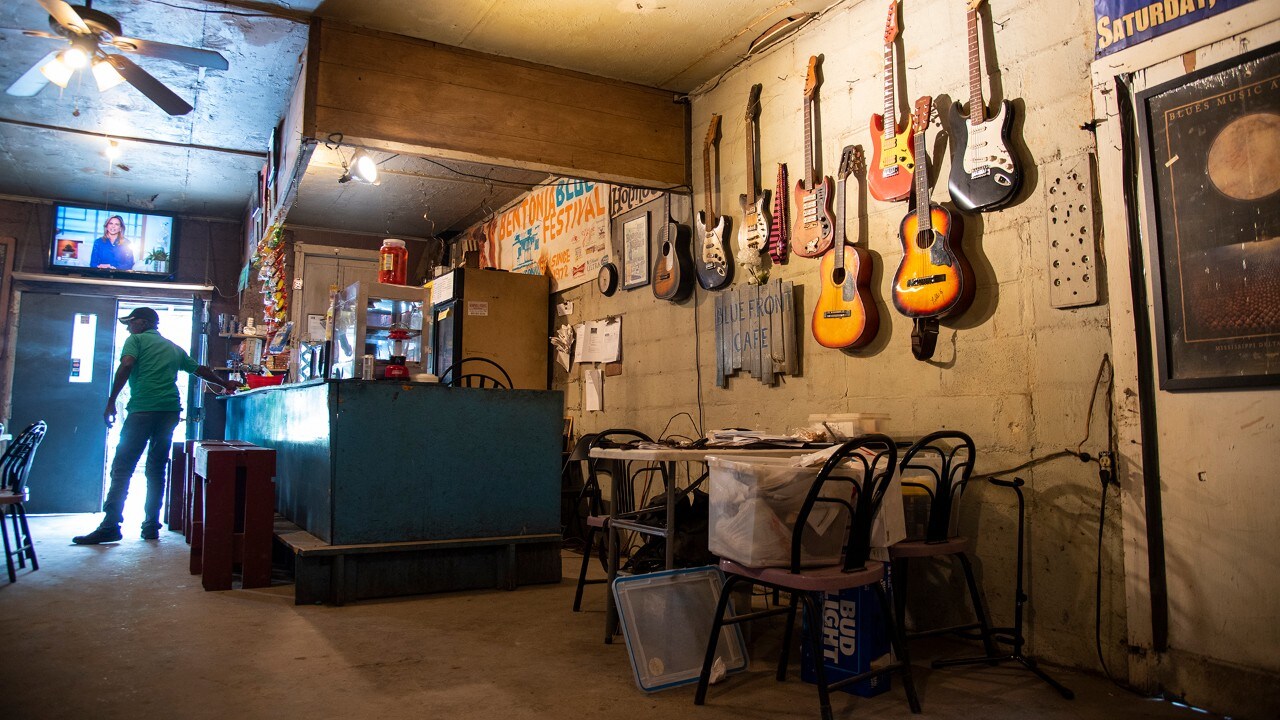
623	500
475	372
806	584
15	464
945	458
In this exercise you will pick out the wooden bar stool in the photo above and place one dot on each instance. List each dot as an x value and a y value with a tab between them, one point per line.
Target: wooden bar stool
239	510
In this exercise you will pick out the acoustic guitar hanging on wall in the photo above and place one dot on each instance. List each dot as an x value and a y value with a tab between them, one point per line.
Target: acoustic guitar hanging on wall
933	279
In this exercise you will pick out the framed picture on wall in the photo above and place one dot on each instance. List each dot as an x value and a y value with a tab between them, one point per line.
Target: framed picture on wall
635	252
1210	149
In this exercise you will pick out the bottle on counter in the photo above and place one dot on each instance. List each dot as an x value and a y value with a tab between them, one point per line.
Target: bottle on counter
393	262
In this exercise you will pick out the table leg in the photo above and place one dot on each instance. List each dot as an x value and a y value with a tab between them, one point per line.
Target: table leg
610	610
669	479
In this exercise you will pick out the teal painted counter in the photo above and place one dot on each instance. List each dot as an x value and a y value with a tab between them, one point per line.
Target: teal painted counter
377	461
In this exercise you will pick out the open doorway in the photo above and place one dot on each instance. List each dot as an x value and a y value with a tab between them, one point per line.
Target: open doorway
175	325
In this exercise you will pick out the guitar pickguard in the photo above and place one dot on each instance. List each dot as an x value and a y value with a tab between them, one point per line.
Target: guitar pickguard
986	150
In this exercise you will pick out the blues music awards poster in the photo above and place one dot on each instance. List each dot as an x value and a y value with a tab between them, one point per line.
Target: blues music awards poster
1122	23
1211	151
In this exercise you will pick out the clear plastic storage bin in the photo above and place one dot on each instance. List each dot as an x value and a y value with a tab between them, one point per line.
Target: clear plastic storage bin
754	504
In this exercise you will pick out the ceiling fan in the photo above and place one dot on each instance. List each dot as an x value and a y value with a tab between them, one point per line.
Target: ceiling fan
90	33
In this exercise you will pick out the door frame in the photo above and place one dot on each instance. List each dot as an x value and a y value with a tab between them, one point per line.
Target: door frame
118	289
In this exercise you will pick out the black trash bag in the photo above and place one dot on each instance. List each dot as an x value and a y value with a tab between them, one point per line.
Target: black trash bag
692	524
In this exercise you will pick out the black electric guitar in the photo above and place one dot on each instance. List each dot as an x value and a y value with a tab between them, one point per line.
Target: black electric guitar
673	268
984	172
713	266
754	232
844	316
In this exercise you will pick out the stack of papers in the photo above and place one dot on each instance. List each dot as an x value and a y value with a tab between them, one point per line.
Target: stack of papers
734	437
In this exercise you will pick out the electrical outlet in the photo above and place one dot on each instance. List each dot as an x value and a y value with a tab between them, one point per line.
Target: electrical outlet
1069	205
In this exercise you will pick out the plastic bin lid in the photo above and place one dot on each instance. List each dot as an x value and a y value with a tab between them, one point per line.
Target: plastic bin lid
666	620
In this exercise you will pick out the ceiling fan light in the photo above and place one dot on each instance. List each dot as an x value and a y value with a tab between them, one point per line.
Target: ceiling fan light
58	72
75	58
105	75
112	150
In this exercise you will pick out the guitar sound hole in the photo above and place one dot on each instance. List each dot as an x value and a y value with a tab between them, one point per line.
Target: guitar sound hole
837	276
924	239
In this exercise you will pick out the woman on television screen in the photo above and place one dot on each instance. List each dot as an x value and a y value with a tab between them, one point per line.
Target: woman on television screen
112	249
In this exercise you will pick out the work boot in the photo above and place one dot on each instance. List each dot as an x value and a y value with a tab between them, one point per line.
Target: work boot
150	531
103	534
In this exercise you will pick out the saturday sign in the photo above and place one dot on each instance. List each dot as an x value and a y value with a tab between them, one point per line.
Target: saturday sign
1123	23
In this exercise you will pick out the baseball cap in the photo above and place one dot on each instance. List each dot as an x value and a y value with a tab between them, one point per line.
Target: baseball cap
141	313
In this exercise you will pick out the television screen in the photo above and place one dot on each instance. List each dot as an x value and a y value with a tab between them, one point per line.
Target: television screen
113	243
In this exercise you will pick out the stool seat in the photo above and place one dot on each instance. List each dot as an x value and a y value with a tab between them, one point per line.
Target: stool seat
819	579
924	548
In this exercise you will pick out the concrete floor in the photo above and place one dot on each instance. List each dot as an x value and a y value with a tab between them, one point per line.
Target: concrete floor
123	631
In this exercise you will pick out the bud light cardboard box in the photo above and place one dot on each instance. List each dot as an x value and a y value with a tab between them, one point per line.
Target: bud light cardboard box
854	640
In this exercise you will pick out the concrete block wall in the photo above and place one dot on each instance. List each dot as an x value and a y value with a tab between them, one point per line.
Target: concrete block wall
1011	371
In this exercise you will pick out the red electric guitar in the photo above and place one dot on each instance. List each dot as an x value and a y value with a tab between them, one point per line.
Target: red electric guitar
891	161
813	230
844	316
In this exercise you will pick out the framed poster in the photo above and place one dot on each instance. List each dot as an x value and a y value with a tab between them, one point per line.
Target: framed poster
635	252
1210	148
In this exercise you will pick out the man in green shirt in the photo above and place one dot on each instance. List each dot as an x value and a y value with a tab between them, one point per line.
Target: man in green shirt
150	364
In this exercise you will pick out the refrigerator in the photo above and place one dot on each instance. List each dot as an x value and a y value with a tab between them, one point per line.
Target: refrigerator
501	316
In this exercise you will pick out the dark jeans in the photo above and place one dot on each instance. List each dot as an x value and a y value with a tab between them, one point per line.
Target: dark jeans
150	430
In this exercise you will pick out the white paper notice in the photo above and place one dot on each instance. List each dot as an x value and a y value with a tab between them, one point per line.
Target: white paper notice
315	327
442	289
599	340
593	389
477	308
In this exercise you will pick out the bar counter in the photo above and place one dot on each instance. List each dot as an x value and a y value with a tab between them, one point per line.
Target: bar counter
370	465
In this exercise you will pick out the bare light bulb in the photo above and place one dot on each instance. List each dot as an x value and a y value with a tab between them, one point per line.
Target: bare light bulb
113	150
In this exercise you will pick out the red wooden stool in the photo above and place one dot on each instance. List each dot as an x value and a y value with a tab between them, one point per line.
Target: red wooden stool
239	510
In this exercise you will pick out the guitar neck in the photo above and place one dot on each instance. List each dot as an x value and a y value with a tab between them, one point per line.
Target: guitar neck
977	107
890	110
810	173
706	173
839	235
923	217
751	163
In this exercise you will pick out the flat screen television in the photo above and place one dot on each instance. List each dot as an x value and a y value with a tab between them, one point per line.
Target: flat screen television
112	243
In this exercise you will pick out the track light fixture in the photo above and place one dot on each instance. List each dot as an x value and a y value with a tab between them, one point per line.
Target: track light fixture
361	168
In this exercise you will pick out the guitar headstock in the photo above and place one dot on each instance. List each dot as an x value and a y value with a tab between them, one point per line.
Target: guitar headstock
923	114
891	25
713	131
811	77
753	102
852	161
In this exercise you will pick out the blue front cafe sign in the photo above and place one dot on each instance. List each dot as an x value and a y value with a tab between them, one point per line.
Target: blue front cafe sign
1122	23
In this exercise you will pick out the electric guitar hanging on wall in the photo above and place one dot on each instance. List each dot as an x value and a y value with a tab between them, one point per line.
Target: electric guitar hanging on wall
755	216
892	163
844	316
984	173
713	267
673	268
812	233
933	278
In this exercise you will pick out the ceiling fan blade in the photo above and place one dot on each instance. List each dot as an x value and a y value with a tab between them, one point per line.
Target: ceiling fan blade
32	33
178	53
32	81
153	89
66	16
